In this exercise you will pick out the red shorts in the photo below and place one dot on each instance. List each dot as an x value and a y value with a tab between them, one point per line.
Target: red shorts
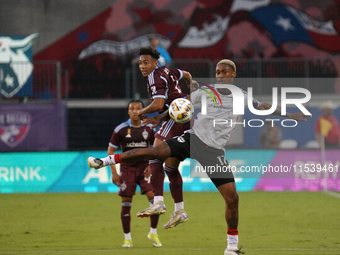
129	181
170	129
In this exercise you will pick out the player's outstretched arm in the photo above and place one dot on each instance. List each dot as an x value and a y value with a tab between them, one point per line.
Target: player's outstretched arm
299	116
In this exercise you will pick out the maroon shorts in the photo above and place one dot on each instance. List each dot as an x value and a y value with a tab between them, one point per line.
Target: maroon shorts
129	181
170	129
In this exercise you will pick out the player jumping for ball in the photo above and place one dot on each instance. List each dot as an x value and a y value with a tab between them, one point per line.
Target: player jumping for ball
163	87
205	144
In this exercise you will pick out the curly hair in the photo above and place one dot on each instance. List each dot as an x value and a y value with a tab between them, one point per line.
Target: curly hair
149	51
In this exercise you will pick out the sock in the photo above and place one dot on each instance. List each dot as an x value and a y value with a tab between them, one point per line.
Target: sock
112	159
176	183
154	222
154	218
232	239
126	217
158	199
157	177
179	206
127	236
153	230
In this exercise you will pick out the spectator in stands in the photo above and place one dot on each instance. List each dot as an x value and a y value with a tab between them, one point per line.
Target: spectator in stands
164	58
327	130
270	136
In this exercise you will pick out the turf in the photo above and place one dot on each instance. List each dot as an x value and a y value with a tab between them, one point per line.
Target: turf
276	223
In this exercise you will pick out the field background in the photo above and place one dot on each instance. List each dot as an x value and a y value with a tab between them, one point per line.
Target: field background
79	223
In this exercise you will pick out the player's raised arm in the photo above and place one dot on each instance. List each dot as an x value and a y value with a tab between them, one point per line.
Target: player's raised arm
187	78
298	116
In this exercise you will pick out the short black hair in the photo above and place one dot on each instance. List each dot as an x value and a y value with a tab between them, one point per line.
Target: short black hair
149	51
135	101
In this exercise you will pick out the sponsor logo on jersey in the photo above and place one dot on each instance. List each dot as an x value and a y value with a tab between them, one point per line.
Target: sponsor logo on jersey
213	97
14	127
180	139
137	144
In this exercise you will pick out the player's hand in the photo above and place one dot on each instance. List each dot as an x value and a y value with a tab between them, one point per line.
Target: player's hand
155	120
299	116
194	85
147	172
116	179
142	116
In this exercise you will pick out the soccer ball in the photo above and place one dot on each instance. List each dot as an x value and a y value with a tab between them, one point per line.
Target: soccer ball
181	110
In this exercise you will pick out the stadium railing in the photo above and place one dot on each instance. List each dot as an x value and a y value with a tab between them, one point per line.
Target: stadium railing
51	81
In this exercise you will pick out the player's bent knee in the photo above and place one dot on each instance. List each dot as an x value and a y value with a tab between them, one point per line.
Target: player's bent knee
232	200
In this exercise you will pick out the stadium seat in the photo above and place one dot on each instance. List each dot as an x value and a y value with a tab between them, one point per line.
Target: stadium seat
288	144
313	144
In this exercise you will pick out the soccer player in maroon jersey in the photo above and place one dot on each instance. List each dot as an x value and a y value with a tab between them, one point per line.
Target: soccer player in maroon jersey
163	87
131	135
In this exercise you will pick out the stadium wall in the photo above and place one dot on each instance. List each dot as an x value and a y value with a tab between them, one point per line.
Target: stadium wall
270	170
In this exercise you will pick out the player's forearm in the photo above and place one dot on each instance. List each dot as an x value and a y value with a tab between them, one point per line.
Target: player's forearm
164	114
187	78
113	170
277	112
155	106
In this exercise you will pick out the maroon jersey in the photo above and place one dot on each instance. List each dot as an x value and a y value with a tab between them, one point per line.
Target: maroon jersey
129	137
163	83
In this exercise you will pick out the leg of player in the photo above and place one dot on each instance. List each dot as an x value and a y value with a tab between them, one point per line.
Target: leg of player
157	183
126	221
162	152
176	189
153	236
228	191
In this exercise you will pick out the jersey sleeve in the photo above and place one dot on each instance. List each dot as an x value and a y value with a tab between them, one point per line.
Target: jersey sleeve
177	73
158	86
115	140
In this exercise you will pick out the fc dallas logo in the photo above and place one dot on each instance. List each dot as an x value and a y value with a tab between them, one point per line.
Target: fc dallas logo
14	127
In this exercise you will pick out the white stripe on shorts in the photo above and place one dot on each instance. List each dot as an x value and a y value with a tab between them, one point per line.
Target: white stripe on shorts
167	128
